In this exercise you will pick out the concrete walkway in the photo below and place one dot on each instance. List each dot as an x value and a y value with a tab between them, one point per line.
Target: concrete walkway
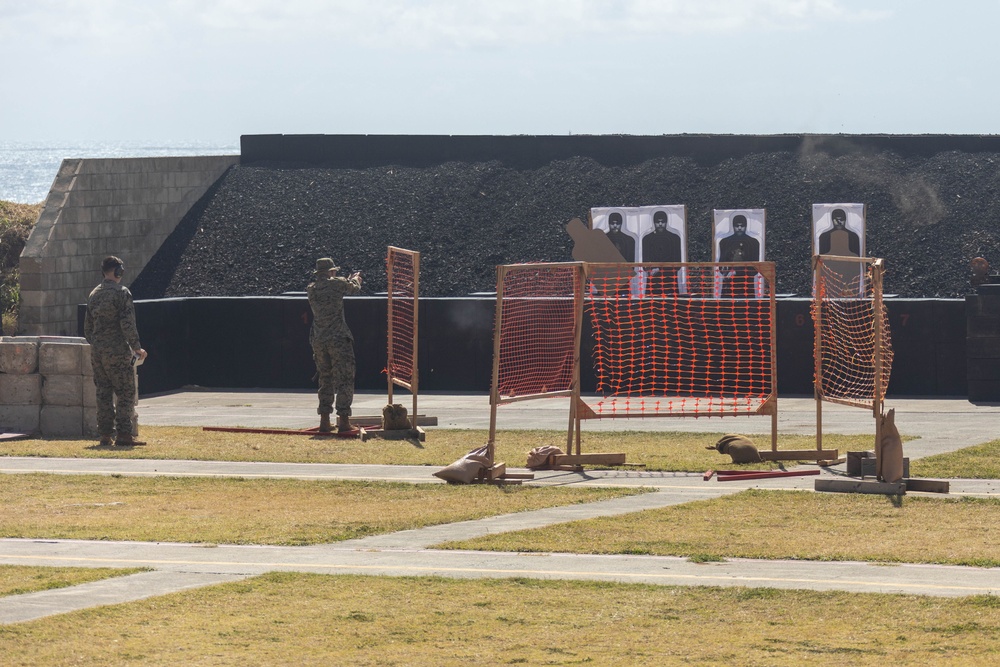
942	425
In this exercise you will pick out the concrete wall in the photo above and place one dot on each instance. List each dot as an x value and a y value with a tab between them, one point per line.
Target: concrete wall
47	386
358	151
245	342
982	313
114	206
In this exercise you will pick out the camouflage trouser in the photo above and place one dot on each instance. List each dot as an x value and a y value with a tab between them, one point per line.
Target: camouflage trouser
335	367
114	377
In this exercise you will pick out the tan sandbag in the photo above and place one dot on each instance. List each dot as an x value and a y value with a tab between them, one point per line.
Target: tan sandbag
465	469
890	460
394	418
539	457
739	447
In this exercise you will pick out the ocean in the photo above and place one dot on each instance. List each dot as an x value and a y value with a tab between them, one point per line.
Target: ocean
27	169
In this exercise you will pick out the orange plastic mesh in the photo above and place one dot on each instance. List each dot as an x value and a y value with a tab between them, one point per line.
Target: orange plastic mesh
537	324
681	339
844	306
401	268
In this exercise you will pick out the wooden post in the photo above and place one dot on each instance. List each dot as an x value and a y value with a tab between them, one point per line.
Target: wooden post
494	389
389	355
770	276
876	278
818	347
580	283
415	380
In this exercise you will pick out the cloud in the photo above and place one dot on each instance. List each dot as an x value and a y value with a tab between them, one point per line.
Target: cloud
421	24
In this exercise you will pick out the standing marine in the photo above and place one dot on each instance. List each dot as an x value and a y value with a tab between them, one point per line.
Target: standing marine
332	342
109	327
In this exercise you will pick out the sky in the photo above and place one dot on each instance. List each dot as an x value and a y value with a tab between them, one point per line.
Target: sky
212	70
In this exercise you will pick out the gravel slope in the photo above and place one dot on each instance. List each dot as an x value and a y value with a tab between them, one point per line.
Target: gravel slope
260	229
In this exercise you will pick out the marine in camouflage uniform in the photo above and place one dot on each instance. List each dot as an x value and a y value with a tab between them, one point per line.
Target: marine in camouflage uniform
109	327
332	342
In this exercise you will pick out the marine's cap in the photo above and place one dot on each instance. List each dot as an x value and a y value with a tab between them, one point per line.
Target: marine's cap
324	264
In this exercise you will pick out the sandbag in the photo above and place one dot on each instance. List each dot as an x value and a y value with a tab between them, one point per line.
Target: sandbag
890	459
465	469
540	457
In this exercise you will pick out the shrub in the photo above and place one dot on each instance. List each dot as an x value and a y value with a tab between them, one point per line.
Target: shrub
16	222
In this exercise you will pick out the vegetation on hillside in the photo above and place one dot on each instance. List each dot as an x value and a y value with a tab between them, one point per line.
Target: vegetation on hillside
16	221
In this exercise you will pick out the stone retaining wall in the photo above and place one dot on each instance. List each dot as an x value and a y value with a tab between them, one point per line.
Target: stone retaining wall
110	206
47	386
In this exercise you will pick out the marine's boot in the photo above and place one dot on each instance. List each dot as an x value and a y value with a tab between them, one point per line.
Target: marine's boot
324	423
344	424
128	440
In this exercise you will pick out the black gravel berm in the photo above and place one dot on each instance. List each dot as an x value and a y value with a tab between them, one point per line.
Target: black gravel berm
262	226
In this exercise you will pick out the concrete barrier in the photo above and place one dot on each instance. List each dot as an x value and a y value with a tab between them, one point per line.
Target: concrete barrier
47	387
115	206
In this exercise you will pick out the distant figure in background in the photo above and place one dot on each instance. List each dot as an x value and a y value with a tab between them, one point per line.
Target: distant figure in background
332	342
661	245
109	327
739	247
622	241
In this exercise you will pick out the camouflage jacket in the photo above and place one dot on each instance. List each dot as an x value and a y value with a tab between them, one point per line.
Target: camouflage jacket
326	298
110	320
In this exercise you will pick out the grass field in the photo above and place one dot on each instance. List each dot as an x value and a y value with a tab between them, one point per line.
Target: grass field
254	511
304	619
786	525
18	580
291	618
683	452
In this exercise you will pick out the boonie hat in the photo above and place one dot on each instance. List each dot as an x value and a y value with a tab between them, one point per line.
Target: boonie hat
324	264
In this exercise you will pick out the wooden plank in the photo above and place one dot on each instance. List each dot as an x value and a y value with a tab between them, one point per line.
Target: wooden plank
928	485
588	459
499	481
830	462
799	455
860	486
497	471
422	420
357	431
765	474
708	475
397	434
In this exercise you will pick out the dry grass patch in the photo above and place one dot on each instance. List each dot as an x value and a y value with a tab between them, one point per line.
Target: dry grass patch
978	462
684	452
259	511
782	525
21	579
304	619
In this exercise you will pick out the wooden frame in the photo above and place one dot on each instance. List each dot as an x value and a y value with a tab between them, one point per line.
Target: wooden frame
412	384
876	271
579	410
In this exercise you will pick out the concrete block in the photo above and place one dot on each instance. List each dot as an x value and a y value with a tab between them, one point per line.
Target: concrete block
65	390
21	389
18	357
20	418
86	362
862	464
60	358
31	281
89	392
61	421
90	422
